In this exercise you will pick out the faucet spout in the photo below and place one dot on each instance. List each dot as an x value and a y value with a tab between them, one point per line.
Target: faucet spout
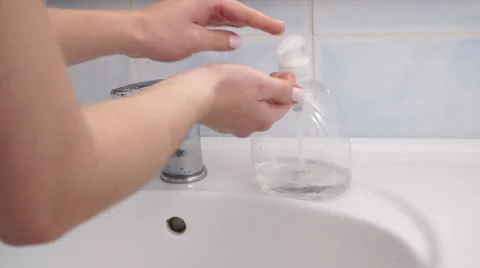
186	164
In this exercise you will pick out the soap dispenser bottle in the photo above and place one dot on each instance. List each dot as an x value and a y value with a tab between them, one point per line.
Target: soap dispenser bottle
306	154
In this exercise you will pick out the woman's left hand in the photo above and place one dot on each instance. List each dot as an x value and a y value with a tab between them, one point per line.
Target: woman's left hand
175	29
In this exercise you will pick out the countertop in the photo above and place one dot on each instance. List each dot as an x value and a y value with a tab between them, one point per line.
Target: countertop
439	178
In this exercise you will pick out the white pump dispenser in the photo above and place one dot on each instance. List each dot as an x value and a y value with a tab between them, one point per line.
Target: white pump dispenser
294	58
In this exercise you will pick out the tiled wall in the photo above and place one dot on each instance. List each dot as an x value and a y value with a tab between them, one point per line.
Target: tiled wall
401	68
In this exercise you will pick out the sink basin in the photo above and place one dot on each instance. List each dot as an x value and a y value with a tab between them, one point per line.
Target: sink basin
221	230
174	226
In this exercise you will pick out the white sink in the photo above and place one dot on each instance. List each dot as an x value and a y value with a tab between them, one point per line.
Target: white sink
236	228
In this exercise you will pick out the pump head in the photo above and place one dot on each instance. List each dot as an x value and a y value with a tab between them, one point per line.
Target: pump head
294	58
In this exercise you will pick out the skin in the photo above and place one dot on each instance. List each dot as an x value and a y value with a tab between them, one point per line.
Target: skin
62	164
167	31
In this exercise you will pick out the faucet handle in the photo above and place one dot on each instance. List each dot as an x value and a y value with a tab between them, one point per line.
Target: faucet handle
132	89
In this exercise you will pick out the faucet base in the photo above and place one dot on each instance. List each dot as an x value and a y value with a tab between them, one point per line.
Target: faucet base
183	179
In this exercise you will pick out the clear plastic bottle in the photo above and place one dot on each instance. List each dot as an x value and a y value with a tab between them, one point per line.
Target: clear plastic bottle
307	153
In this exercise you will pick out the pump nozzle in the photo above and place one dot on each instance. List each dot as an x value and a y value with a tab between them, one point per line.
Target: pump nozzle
293	57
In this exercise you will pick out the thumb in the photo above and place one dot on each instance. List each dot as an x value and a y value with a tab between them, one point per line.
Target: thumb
218	40
283	91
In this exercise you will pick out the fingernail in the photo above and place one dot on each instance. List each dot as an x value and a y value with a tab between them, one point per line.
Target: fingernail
298	94
235	41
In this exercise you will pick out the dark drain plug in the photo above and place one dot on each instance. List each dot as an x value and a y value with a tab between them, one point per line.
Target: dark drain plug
176	225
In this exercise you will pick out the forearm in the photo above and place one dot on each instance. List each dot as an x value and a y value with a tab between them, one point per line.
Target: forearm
89	34
132	139
72	175
59	164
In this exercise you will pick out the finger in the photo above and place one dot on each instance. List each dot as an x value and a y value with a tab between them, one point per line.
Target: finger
225	23
285	76
289	77
241	14
216	40
282	91
275	75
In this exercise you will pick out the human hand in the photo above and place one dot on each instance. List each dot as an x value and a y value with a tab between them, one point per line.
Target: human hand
246	100
175	29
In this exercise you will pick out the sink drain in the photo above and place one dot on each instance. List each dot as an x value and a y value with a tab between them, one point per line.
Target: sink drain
176	225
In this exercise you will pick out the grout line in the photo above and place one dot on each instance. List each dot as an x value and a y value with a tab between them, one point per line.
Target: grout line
260	35
311	28
310	16
269	36
400	35
135	70
314	58
372	36
266	36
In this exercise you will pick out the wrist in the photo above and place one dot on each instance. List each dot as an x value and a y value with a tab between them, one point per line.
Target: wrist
117	30
136	32
192	92
201	85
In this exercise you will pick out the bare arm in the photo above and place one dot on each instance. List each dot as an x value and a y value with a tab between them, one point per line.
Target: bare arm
89	34
169	30
60	164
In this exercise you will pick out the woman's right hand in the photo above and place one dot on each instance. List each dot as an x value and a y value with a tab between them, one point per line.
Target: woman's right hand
241	100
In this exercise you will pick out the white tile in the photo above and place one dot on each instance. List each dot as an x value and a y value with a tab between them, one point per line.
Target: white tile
405	87
94	80
293	12
90	4
401	16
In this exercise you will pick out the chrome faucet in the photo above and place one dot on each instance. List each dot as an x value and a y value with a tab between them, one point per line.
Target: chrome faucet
186	164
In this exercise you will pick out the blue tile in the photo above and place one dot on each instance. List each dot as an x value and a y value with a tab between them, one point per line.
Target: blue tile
293	12
408	16
405	87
